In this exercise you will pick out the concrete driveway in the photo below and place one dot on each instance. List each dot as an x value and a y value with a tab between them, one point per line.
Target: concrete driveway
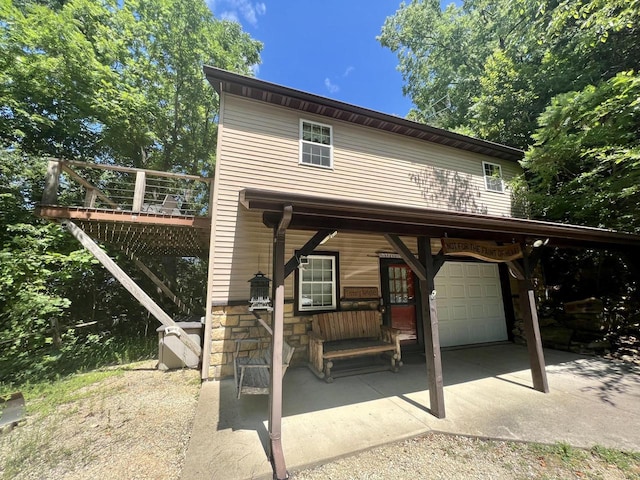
488	393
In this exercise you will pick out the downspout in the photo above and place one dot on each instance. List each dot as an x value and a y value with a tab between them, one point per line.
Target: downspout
275	393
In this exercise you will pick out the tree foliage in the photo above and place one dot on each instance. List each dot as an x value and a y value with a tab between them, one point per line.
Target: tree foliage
116	81
585	165
500	63
104	81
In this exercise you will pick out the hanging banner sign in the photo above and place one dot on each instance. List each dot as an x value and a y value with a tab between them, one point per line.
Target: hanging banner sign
482	250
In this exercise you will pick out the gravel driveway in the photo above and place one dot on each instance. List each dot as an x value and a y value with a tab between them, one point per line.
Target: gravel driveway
137	424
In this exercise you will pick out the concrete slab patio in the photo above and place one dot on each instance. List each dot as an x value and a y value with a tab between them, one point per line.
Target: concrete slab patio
488	393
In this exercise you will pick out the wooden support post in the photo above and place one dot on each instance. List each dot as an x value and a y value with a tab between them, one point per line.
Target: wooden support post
90	198
306	249
184	308
51	183
426	267
531	327
128	283
138	193
277	342
430	329
402	250
88	186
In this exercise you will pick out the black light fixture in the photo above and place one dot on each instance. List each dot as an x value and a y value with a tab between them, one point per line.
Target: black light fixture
259	292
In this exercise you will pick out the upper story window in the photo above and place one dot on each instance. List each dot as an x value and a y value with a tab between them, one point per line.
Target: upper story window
316	144
493	177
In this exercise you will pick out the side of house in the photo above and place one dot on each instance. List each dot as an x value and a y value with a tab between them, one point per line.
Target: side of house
278	147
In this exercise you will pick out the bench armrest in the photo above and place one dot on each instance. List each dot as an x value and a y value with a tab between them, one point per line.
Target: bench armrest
389	334
314	337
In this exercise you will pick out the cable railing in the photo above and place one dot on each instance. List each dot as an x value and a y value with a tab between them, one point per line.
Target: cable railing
111	187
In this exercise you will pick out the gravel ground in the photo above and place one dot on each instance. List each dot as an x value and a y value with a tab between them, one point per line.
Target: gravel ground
131	426
137	425
446	457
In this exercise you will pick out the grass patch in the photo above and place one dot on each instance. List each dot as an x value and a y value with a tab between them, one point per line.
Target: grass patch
625	461
44	397
562	452
26	372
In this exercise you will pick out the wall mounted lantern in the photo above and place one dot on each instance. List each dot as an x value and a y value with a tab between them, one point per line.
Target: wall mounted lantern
259	291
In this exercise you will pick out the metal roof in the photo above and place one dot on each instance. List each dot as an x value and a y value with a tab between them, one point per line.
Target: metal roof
225	81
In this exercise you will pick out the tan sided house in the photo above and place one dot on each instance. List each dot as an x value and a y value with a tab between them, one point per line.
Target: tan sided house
379	236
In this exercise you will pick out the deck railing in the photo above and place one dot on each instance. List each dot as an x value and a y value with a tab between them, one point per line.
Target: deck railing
112	187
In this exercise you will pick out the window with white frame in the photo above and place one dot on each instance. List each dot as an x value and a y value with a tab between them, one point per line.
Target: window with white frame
317	283
493	177
316	144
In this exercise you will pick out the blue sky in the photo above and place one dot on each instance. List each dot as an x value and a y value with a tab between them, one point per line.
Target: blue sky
328	48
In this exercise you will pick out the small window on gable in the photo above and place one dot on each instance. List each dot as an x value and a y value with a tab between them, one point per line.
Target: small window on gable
317	282
493	177
316	144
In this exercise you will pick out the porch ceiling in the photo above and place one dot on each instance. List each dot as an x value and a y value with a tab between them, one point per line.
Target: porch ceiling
139	234
317	212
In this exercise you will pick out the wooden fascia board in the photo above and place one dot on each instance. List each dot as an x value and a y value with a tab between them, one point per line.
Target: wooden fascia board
84	214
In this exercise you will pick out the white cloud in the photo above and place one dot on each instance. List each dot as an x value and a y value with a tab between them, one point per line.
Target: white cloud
333	88
348	71
234	9
255	68
230	16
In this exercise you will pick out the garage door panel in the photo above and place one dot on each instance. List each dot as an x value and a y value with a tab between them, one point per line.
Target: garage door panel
453	270
456	291
471	270
470	308
475	291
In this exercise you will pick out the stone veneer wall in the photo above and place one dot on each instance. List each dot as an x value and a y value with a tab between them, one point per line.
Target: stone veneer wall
233	323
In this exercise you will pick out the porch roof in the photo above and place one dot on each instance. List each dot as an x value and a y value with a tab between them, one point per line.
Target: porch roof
312	212
225	81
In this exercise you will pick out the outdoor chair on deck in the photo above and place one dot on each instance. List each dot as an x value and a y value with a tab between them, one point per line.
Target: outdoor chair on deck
252	372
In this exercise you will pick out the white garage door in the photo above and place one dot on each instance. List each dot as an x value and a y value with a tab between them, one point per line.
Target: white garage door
469	301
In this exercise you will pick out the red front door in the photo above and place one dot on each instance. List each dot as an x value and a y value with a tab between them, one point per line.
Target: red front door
399	299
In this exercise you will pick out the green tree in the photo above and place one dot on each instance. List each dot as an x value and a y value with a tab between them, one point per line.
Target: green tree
585	165
500	63
116	81
106	81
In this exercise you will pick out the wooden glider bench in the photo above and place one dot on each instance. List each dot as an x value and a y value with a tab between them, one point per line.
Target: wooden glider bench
349	334
252	372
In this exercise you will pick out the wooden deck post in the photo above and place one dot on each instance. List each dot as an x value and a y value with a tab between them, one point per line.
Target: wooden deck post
430	329
277	341
51	183
138	193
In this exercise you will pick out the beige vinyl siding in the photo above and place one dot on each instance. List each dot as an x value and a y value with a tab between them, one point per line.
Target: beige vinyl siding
368	164
239	256
258	147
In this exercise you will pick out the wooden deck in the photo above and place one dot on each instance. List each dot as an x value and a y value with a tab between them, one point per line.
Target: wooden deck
141	212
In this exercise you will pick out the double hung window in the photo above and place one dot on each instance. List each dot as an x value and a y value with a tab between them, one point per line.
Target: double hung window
316	144
493	177
317	282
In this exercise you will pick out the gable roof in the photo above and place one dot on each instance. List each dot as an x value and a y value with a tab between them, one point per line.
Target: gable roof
233	83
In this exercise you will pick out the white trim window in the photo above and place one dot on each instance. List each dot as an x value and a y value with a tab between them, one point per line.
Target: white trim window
316	144
317	283
493	177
